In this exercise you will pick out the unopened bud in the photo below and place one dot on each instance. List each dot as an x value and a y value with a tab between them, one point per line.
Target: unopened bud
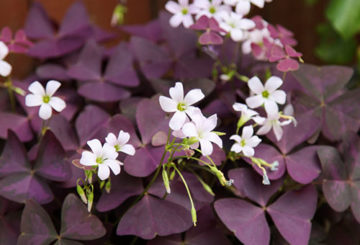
166	181
207	188
81	193
193	215
108	186
90	197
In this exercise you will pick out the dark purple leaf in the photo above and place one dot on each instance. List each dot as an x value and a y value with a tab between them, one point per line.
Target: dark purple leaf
77	223
50	162
38	24
23	186
292	214
210	38
103	92
36	226
16	123
64	132
244	219
122	187
154	61
249	185
90	120
150	31
120	68
52	71
13	158
303	166
152	216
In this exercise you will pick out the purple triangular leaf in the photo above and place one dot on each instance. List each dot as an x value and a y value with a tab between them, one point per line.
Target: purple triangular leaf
120	68
249	185
303	166
292	214
75	20
36	226
14	157
52	71
50	162
23	186
64	132
77	223
150	31
244	219
103	92
152	216
38	24
122	187
16	123
154	61
90	120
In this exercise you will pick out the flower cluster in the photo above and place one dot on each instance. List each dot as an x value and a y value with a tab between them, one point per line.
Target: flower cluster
104	157
219	18
270	97
188	121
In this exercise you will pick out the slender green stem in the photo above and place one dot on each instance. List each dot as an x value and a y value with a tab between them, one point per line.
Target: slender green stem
11	97
188	192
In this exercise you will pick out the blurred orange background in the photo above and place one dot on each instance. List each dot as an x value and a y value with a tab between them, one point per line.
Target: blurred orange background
293	14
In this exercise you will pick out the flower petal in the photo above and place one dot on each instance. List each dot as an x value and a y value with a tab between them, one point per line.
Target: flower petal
176	20
215	139
177	120
206	147
271	107
177	92
5	68
247	132
173	7
235	137
239	107
277	131
88	158
52	86
95	146
209	124
236	148
237	35
4	50
255	101
243	7
273	83
189	130
128	149
264	129
111	139
188	21
45	111
109	152
253	141
193	96
57	103
123	137
256	85
167	104
114	165
103	171
37	88
279	96
33	100
248	151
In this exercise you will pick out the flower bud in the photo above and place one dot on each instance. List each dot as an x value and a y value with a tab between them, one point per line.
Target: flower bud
108	186
193	215
90	197
81	193
166	181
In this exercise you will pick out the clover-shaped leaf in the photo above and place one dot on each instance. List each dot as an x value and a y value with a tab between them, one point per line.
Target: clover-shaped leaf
341	179
22	181
291	213
76	224
332	108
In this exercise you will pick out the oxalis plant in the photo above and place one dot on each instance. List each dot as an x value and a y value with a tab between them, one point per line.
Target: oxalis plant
203	128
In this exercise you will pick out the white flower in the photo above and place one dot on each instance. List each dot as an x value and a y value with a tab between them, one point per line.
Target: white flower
243	6
246	142
179	104
234	24
212	8
246	113
44	98
274	166
201	129
5	68
182	13
272	122
266	95
119	143
104	157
